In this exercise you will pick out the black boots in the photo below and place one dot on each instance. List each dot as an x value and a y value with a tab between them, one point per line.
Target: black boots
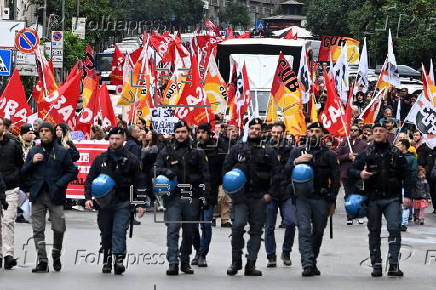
194	261
272	261
235	266
41	267
56	255
173	270
185	267
377	271
9	262
119	267
394	271
202	260
286	257
250	269
107	262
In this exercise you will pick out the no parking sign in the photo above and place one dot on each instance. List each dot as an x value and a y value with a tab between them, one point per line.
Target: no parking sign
27	40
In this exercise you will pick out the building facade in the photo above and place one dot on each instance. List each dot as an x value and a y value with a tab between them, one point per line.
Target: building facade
257	9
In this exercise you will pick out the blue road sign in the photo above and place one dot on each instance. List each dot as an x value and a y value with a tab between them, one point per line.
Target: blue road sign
260	25
26	40
5	62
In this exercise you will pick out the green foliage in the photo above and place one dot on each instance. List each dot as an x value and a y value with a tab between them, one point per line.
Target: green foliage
74	49
412	23
235	14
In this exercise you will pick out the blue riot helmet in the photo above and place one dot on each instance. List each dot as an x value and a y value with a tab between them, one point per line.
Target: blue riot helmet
102	189
163	186
355	206
234	182
302	179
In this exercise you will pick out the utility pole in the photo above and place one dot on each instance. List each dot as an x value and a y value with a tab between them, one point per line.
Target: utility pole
44	19
63	31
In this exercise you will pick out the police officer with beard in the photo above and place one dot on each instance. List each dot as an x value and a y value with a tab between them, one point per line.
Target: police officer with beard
383	169
189	165
260	165
113	219
314	207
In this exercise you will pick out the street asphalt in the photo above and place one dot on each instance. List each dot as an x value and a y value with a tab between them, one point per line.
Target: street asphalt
343	261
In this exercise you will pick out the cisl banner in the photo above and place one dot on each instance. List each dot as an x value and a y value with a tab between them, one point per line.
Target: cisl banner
88	150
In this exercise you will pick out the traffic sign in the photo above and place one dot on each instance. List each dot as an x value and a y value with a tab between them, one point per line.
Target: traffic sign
260	25
27	40
5	62
57	39
25	63
57	48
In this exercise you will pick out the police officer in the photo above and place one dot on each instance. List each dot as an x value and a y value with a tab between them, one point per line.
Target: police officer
383	169
215	150
113	219
189	165
283	200
260	165
314	208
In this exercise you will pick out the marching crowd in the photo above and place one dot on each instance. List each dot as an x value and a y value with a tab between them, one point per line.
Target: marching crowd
215	171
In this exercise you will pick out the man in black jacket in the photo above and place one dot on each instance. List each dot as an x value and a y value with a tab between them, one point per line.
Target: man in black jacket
11	156
123	167
133	144
313	209
261	166
215	152
50	169
383	169
229	137
283	200
189	165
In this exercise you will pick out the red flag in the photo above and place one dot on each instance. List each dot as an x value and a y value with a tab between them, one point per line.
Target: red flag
370	113
229	32
160	43
349	110
99	107
134	56
211	26
62	103
241	99
245	35
332	115
74	71
37	92
290	35
193	95
13	104
117	67
89	62
50	66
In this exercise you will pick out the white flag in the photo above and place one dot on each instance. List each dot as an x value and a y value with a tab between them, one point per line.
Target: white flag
430	72
393	77
341	75
362	73
304	76
423	115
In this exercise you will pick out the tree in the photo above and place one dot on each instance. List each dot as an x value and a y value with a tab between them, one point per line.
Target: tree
235	14
74	49
412	24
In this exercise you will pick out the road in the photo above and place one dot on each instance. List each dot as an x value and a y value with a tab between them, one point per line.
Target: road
342	260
